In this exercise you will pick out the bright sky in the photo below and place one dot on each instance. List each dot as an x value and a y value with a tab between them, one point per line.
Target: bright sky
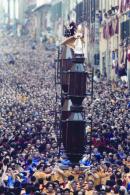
41	2
5	6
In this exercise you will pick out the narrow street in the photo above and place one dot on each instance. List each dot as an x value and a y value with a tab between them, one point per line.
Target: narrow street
64	97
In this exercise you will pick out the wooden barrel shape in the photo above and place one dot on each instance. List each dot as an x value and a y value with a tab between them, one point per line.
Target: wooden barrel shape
75	137
77	83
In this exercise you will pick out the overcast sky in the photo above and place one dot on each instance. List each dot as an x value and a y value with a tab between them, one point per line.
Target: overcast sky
5	6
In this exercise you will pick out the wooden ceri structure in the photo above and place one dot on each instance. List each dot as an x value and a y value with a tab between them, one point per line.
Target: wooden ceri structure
73	92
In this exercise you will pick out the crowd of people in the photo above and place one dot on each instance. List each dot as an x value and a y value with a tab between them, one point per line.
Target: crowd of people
30	161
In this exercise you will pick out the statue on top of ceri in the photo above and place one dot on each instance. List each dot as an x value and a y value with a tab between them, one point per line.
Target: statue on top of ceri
74	38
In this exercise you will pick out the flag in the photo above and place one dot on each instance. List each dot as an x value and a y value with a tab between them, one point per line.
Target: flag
124	5
128	54
127	4
113	59
92	34
104	31
121	6
122	55
107	30
111	30
117	25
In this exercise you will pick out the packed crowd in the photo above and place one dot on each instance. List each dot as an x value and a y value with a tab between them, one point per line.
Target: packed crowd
29	156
